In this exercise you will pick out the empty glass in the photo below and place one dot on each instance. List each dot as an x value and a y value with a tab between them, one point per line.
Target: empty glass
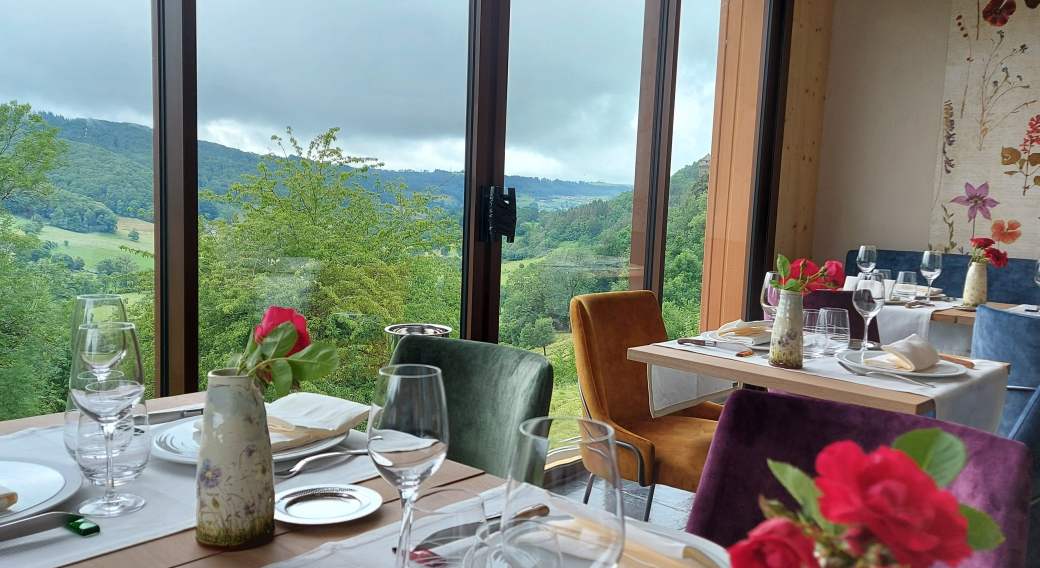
813	341
447	527
931	267
906	286
835	323
770	296
131	445
591	536
408	433
868	299
866	259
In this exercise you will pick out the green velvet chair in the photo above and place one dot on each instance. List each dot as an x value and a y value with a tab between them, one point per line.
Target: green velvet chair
490	389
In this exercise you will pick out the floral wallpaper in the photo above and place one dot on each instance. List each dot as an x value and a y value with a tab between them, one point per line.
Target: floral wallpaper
987	181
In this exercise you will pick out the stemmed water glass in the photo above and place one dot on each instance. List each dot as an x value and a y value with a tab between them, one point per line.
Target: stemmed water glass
868	299
408	433
931	267
770	296
866	260
107	392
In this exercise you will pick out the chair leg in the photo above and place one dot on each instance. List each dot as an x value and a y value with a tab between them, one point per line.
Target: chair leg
649	502
588	488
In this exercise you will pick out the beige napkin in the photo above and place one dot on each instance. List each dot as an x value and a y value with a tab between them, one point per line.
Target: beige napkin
911	354
750	332
7	498
581	538
923	290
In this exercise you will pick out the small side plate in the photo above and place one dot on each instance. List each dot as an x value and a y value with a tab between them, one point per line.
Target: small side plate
40	485
326	504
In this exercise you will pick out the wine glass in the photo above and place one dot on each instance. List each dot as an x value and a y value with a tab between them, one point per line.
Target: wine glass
931	267
770	296
101	347
866	260
89	308
835	322
408	433
538	470
868	299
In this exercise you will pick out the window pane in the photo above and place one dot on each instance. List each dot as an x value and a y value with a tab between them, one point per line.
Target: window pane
691	147
353	244
76	217
570	154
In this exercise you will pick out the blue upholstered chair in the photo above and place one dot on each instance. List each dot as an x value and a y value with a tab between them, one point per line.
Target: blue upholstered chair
1012	284
1015	338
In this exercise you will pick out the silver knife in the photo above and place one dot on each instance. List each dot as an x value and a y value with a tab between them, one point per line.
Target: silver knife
164	416
36	524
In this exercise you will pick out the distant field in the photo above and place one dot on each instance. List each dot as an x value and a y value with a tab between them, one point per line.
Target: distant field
97	246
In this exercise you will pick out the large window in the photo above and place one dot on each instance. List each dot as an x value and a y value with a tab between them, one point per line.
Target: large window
691	160
570	154
76	186
351	215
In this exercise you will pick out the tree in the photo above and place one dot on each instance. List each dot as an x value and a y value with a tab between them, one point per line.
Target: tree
29	149
539	334
133	235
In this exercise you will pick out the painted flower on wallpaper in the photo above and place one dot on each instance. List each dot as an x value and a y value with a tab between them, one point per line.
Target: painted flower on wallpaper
997	12
1009	232
976	199
1023	157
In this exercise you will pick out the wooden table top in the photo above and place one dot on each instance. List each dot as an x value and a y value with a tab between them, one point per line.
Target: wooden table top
964	317
181	550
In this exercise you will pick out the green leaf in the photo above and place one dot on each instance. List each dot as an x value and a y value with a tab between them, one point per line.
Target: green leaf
783	266
942	456
803	489
281	377
234	361
983	532
279	341
314	361
252	354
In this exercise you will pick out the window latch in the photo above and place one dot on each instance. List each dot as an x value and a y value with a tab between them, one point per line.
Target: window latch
497	214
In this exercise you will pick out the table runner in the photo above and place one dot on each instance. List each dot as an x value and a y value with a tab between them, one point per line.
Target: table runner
975	399
168	488
896	322
672	390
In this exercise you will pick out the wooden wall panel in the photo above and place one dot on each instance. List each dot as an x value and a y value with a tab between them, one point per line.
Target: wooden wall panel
803	127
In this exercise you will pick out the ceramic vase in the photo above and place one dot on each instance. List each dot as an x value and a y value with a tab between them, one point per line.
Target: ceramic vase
234	509
785	346
975	285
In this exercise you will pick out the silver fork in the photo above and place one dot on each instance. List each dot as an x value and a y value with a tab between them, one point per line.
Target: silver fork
859	373
287	473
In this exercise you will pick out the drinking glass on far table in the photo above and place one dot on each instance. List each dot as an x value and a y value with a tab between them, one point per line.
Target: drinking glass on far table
866	260
408	433
813	340
931	267
868	299
770	296
835	324
906	286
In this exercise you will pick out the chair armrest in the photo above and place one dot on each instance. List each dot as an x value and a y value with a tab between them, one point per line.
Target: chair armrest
1021	388
642	449
704	410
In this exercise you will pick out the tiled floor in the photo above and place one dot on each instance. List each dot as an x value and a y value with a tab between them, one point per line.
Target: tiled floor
671	506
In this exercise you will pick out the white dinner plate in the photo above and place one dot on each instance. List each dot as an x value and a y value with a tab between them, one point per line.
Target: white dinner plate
175	442
945	369
714	552
40	486
714	336
325	504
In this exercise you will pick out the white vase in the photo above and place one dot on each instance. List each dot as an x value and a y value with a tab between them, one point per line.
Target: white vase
975	285
785	345
234	477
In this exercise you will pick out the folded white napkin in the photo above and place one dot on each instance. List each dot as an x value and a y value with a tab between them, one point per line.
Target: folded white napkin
7	498
850	283
911	354
889	286
922	291
750	332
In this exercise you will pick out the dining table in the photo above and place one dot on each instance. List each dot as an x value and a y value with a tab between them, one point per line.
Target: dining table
181	550
945	324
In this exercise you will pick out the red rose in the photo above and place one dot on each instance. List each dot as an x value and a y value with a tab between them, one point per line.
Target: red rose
997	257
982	243
835	274
275	316
776	543
888	494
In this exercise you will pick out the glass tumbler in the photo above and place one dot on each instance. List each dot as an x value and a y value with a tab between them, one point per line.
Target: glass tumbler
132	447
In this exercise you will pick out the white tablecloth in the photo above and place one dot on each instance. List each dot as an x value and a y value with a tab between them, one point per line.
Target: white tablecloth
975	399
168	489
896	322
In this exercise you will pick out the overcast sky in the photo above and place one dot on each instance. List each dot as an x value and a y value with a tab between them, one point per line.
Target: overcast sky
391	74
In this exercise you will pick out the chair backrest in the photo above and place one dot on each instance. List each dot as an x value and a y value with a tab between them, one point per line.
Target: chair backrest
1012	284
490	390
605	326
756	426
1011	338
841	299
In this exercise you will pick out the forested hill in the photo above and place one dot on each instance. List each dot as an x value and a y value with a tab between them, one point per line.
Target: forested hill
111	162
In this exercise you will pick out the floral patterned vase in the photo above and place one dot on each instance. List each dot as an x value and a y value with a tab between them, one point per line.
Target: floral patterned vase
785	346
975	285
234	478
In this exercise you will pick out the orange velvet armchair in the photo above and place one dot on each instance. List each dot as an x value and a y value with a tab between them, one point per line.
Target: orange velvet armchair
671	449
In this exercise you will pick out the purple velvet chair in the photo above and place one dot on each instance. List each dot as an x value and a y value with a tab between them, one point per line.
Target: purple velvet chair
760	425
840	299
